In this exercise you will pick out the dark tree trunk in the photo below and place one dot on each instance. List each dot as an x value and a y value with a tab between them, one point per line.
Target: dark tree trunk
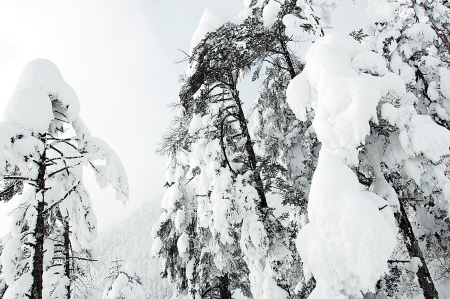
259	186
67	255
224	287
39	233
286	55
423	275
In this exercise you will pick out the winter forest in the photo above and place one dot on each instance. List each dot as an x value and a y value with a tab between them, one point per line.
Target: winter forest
303	161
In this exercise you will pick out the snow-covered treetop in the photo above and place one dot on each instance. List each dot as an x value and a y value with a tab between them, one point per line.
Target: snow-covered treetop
23	107
40	94
209	22
339	63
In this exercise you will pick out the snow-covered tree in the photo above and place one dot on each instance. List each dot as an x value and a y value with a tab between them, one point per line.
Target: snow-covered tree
413	38
373	132
214	166
45	139
123	283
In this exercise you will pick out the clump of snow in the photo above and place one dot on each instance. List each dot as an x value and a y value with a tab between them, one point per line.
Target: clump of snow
183	245
352	232
44	75
421	31
242	16
291	22
428	138
8	259
299	104
380	11
444	75
335	84
30	109
419	134
270	13
348	241
370	62
209	22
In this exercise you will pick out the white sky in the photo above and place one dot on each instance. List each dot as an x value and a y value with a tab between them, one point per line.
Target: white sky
119	57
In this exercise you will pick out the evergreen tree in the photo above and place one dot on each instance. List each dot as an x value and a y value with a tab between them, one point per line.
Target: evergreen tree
123	283
36	139
414	42
367	121
214	166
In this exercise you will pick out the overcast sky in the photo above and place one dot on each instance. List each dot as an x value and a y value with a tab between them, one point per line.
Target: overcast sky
119	57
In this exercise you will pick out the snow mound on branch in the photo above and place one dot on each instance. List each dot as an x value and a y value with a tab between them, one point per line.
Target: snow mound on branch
349	240
428	138
291	22
242	16
30	109
209	22
44	75
444	75
270	13
343	83
380	11
352	232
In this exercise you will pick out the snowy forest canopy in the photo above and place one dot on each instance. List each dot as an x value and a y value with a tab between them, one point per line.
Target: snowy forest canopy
336	187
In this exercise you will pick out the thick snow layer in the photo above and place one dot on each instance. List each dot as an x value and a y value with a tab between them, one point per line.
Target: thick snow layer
343	83
348	240
242	16
380	11
44	75
419	134
30	109
444	75
270	13
428	138
422	32
209	22
8	259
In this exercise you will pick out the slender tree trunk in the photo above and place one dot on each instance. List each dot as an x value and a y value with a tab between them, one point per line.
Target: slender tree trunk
67	256
423	275
39	233
259	186
286	55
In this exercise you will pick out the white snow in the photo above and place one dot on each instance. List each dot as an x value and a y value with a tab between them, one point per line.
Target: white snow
444	75
352	232
44	75
242	16
348	241
9	263
31	109
270	13
209	22
428	138
291	22
344	97
380	11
